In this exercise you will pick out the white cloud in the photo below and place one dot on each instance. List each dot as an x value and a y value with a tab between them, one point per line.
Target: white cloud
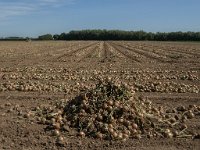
24	7
12	9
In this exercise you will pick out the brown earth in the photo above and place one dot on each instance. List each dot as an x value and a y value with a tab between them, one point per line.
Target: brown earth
37	73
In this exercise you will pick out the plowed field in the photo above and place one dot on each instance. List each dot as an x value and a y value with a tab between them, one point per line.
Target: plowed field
37	73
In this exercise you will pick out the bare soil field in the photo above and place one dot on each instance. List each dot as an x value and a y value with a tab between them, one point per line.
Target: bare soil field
36	74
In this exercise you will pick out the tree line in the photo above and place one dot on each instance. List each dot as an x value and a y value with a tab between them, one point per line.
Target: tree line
13	39
116	35
127	35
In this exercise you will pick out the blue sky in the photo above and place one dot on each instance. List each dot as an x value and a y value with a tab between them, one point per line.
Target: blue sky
36	17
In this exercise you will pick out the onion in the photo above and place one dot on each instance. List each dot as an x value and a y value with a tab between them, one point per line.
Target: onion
99	117
190	115
138	136
110	125
120	120
175	133
110	102
134	126
109	108
111	130
172	120
125	136
56	125
168	135
59	119
53	120
105	105
127	132
56	132
99	135
60	140
115	135
134	131
117	104
81	134
27	115
120	136
167	131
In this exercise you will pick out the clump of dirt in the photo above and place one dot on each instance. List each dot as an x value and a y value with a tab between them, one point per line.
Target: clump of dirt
112	111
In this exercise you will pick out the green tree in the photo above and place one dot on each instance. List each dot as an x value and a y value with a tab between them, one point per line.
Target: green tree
45	37
129	35
56	37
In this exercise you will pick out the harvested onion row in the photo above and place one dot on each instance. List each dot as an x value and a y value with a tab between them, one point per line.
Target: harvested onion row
111	111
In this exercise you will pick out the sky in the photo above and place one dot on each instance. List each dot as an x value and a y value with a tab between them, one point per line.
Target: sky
31	18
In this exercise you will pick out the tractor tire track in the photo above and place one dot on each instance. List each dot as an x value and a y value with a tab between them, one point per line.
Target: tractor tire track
129	56
74	51
112	51
175	49
107	54
88	54
145	54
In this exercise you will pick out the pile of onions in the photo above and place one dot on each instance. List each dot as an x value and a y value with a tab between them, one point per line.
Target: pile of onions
112	111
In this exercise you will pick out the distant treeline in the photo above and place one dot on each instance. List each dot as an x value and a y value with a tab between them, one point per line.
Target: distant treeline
13	39
128	35
115	35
